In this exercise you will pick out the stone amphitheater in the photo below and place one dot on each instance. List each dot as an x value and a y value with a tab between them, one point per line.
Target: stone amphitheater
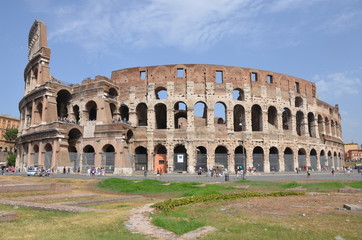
173	118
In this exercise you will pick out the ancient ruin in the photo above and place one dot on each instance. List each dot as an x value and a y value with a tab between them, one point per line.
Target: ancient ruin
174	118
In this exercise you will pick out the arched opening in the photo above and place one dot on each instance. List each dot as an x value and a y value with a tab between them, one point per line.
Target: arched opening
201	158
311	125
330	160
258	159
161	158
272	118
239	118
180	158
91	107
141	111
141	159
73	136
323	161
112	93
256	118
238	94
200	114
274	159
327	127
39	116
180	115
220	113
221	156
63	100
161	93
320	124
302	160
48	156
336	162
313	160
113	110
124	111
88	157
298	102
161	116
300	123
36	155
108	156
287	119
76	113
288	160
240	158
333	132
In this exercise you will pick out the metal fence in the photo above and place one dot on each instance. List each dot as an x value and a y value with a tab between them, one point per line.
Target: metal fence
221	159
87	161
258	162
313	162
36	159
288	162
141	162
240	160
48	160
108	161
180	162
74	158
302	161
201	161
274	162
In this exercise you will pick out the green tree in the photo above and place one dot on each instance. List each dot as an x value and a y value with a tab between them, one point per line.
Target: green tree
11	159
11	134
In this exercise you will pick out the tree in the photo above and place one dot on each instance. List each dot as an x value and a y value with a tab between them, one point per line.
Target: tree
11	134
11	159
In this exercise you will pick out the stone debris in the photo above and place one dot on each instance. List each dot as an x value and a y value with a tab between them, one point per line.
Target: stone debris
7	216
353	206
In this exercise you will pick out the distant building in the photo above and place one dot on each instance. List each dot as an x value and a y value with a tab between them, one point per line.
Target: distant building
7	122
352	152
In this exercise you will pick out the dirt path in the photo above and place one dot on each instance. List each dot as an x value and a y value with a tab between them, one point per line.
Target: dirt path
139	222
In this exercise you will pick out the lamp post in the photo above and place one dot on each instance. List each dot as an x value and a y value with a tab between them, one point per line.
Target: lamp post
242	149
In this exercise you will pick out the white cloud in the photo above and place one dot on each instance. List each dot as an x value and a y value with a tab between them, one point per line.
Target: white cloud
335	85
344	21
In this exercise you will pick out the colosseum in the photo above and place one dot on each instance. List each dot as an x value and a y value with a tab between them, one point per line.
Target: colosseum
173	118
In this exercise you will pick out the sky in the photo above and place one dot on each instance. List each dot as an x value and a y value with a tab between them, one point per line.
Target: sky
316	40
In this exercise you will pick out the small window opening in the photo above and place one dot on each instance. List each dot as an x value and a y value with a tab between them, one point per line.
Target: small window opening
254	77
270	79
297	89
180	72
142	75
219	77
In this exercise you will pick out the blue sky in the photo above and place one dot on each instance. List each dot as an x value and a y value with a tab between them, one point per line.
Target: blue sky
317	40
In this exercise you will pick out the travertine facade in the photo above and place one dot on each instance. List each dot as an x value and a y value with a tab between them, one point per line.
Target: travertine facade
174	118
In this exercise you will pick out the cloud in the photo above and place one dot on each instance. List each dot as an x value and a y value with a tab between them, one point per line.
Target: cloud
336	85
343	22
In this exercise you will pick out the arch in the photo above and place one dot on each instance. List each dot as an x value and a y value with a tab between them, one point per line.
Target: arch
63	100
239	118
141	159
330	160
288	160
274	159
124	111
240	158
256	118
76	113
238	94
91	108
161	93
221	156
258	159
220	113
180	115
112	93
88	157
160	158
335	161
141	112
300	123
333	130
48	153
313	159
73	136
180	158
323	161
200	114
129	136
298	102
287	119
273	117
311	125
161	116
113	110
36	155
108	156
39	116
201	158
302	160
326	126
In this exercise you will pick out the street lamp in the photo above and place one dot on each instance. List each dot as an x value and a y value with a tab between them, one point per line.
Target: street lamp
242	149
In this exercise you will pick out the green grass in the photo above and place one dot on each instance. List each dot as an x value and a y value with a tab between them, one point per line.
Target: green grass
155	186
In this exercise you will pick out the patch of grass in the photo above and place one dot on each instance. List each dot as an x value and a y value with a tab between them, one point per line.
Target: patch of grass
155	186
324	186
176	222
290	185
